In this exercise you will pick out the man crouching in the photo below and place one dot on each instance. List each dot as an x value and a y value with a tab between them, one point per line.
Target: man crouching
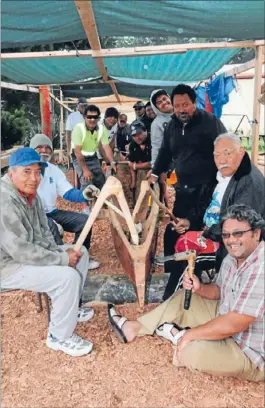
222	333
30	258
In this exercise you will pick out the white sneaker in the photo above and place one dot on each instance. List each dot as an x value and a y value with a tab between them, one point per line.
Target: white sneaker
85	314
93	264
160	259
75	346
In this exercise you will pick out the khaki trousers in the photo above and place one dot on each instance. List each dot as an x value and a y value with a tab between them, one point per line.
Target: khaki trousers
219	357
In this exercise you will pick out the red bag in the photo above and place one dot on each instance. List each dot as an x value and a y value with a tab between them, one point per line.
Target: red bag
194	240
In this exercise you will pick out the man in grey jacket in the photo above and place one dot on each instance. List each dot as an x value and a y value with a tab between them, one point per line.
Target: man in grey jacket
161	105
30	258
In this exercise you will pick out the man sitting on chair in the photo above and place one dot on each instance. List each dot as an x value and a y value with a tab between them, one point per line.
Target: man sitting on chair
222	333
238	181
30	258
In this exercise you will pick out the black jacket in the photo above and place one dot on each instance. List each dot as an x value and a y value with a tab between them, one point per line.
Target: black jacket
190	147
247	186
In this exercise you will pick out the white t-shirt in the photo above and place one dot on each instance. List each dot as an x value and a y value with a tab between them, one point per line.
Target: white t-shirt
212	214
53	183
73	119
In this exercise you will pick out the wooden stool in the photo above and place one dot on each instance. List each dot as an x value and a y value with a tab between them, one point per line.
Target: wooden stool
47	304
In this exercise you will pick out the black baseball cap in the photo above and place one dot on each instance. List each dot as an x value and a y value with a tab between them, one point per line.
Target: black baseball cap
138	104
82	101
137	127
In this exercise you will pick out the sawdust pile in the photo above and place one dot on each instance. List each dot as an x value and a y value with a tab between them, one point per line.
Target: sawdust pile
114	375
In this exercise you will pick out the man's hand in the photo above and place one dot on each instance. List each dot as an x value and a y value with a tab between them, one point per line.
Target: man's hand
114	166
74	257
91	191
191	284
131	165
182	226
87	175
151	178
180	346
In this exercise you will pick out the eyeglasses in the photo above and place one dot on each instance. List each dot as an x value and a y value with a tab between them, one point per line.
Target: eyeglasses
122	121
235	234
92	117
138	109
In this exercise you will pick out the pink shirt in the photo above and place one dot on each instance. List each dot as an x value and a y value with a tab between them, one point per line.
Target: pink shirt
242	291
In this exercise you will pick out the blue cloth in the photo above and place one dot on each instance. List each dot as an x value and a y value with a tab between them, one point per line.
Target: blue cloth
218	91
75	196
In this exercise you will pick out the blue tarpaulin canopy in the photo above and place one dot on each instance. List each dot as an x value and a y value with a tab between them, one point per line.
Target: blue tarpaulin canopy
43	22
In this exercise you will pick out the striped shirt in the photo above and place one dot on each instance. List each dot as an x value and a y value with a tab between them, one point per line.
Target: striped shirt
242	291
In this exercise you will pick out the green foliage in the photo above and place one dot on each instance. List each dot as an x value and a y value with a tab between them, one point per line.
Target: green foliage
15	126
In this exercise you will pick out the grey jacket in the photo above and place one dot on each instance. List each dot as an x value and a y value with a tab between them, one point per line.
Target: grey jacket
157	128
25	236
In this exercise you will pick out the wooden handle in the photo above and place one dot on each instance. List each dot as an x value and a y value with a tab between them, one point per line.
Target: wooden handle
162	206
188	293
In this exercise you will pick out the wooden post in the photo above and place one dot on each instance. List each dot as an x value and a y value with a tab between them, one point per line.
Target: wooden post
45	110
256	106
61	127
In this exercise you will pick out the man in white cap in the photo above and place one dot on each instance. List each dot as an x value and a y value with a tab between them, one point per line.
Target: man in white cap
54	184
73	119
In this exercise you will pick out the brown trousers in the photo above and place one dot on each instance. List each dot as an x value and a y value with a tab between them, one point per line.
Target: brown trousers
219	357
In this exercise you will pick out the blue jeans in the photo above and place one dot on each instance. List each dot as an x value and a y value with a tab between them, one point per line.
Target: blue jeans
71	222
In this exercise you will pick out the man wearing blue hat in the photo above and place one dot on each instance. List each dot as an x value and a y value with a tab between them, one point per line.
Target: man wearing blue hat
30	258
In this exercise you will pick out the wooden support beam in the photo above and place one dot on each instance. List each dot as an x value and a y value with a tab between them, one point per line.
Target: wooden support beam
256	105
60	103
131	51
242	67
86	14
61	126
18	87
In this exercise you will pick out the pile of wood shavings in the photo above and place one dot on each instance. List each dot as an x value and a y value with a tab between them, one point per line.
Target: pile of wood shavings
114	375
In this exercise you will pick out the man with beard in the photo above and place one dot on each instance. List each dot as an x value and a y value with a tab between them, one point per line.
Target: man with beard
139	150
123	137
139	110
149	117
53	184
222	332
110	127
189	142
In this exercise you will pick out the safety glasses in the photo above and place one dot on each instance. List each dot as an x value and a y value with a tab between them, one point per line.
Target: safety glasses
235	234
92	117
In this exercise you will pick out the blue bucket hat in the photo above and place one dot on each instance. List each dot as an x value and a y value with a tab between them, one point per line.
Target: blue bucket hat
25	157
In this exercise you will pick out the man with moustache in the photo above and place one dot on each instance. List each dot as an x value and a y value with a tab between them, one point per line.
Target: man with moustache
238	181
222	332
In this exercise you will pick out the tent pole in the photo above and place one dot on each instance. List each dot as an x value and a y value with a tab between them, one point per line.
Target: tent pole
45	111
61	127
256	105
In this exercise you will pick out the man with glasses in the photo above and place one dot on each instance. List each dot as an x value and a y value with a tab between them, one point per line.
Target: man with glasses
222	333
86	139
139	110
238	181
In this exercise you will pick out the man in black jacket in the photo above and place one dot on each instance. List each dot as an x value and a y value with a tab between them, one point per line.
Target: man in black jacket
238	181
189	142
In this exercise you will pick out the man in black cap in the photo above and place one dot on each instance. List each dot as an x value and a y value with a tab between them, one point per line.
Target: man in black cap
110	124
139	109
73	119
139	150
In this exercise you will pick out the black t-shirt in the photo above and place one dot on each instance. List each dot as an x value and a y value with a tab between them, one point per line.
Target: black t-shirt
139	155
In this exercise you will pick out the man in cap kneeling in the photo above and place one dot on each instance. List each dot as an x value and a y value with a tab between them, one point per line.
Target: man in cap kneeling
30	258
139	150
